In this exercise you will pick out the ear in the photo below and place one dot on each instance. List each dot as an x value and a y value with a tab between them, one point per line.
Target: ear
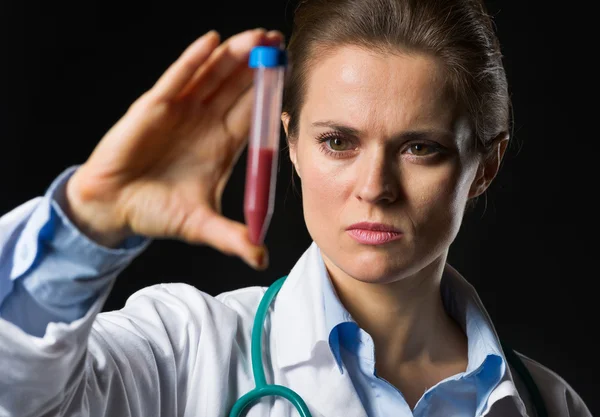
285	119
489	166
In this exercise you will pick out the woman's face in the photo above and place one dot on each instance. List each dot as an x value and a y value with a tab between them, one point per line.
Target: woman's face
395	150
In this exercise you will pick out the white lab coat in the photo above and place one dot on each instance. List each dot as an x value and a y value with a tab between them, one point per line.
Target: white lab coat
174	350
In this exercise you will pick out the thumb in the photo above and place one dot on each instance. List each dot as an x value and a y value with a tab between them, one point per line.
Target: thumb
231	238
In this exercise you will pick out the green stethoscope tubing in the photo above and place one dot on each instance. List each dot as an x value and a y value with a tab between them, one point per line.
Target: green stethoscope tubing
263	389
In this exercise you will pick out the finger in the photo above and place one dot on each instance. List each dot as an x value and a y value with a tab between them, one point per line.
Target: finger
178	75
225	59
239	81
274	38
238	118
231	90
232	54
229	237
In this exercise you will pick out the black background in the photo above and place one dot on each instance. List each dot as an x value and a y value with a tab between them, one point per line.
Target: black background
69	71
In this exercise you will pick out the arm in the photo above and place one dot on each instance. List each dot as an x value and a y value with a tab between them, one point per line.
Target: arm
58	355
50	272
158	172
128	363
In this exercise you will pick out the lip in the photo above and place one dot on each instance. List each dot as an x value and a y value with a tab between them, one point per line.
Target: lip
375	227
369	237
373	233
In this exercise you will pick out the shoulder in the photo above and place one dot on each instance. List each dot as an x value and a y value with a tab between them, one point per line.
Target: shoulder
184	303
559	397
181	319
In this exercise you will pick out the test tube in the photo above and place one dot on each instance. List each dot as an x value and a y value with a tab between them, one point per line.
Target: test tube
263	144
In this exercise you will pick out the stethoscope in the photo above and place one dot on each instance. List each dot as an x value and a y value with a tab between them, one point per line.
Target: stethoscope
264	390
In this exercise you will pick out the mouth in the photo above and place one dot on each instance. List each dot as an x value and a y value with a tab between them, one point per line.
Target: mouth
374	233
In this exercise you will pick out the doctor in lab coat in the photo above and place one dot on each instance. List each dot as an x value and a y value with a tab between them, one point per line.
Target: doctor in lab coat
174	350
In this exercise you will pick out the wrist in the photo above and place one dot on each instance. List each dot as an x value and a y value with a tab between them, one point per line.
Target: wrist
91	218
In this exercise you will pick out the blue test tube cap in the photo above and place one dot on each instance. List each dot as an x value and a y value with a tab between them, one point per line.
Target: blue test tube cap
267	56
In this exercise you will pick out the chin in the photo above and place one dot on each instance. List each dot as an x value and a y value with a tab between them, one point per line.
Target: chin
376	264
383	274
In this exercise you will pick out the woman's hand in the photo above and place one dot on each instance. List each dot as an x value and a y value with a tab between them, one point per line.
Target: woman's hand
160	171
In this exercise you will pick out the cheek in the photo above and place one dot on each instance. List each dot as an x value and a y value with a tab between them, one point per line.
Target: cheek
324	191
431	188
437	196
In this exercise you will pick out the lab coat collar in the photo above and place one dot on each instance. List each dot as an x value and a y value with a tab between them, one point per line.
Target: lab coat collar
299	323
300	333
300	338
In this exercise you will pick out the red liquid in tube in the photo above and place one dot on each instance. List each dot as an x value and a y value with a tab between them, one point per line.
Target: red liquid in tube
258	189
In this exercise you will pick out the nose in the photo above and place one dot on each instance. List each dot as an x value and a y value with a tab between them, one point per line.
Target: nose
377	180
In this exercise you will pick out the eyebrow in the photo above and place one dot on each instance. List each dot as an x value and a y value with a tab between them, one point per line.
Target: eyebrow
407	135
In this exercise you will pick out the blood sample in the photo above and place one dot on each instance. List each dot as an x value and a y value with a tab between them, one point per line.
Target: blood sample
263	145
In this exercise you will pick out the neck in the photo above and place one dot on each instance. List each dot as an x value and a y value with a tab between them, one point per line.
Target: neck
405	317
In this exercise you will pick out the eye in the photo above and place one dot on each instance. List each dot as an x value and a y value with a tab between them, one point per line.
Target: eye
336	142
421	149
335	145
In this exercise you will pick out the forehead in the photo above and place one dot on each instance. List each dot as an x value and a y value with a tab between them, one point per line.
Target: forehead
378	90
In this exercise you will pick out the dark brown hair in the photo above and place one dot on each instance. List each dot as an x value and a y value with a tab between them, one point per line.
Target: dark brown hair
459	32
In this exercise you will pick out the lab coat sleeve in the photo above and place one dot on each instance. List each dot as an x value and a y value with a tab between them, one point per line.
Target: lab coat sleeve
134	362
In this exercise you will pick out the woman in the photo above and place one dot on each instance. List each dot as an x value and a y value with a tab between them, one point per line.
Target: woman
397	117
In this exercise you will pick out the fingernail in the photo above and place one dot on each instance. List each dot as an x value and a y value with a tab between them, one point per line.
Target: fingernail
262	261
210	33
258	261
277	33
